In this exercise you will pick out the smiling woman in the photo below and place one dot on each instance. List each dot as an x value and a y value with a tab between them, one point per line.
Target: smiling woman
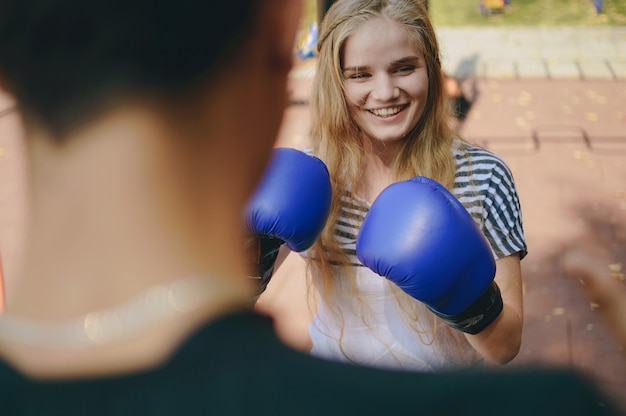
380	121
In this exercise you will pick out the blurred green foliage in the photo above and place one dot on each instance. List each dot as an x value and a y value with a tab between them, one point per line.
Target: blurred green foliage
309	13
529	13
518	13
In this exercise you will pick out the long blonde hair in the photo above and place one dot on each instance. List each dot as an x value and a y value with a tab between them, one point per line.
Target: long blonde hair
337	140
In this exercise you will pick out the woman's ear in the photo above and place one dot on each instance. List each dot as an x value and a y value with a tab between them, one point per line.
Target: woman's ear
281	20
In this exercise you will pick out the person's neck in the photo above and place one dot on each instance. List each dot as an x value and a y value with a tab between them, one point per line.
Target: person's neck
378	169
111	217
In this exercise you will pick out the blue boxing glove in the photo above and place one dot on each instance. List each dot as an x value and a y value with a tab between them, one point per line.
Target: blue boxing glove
419	236
290	205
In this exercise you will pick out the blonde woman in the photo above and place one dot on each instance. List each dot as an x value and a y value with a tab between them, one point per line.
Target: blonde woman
380	117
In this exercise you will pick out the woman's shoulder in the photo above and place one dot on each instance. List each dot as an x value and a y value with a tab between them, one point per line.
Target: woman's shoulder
472	157
462	149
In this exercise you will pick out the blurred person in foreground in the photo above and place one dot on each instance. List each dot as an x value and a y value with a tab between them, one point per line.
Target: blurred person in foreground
147	127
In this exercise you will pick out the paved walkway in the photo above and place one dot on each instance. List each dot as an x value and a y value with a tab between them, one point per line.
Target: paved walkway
530	53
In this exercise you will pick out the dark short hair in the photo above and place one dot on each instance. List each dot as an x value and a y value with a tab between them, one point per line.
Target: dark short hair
64	60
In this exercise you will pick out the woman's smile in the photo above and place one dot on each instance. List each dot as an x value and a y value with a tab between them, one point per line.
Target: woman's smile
388	111
385	80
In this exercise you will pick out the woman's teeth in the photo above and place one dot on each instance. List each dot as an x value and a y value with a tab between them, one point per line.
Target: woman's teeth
386	112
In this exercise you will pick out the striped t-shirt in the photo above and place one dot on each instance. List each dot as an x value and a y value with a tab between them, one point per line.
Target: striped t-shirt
372	330
484	185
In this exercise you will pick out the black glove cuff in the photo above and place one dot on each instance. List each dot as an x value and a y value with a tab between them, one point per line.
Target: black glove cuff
479	314
267	252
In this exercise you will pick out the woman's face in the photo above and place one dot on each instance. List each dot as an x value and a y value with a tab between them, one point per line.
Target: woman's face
385	80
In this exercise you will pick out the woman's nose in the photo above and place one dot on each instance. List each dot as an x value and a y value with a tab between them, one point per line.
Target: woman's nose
385	88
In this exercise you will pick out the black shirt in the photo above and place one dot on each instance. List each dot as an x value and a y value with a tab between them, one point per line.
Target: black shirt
237	366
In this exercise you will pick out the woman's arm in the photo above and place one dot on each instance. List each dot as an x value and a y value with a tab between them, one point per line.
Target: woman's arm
501	340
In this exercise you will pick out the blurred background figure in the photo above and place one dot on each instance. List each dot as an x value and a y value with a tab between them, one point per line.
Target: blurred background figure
598	5
493	6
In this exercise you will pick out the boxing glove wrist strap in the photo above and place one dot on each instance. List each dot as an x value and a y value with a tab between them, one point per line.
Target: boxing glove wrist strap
477	316
267	249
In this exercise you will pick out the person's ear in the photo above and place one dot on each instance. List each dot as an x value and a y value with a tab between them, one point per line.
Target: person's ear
3	88
281	19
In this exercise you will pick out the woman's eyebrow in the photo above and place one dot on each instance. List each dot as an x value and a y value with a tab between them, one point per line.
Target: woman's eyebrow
406	60
356	68
402	61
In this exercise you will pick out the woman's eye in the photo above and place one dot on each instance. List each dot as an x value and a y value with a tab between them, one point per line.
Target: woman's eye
358	75
406	68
